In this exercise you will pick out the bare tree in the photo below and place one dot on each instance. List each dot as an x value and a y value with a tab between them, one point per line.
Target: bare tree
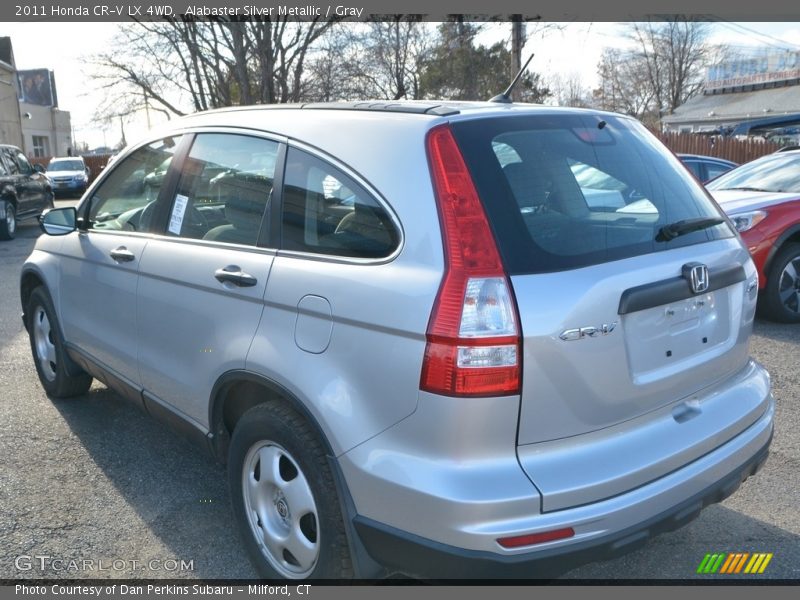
182	65
625	86
568	90
674	54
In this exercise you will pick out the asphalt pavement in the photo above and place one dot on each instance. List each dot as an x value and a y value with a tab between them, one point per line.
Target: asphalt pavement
91	487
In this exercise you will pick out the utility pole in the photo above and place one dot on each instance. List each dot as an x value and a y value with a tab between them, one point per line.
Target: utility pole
517	42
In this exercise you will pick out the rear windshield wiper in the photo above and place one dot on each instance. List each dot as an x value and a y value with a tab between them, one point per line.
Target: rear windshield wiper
744	189
673	230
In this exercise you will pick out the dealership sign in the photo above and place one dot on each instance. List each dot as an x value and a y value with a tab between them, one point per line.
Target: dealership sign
769	68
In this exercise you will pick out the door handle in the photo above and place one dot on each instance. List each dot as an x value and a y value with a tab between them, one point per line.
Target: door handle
122	254
234	274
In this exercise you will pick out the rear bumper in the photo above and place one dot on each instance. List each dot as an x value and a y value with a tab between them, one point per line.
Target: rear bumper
433	494
422	557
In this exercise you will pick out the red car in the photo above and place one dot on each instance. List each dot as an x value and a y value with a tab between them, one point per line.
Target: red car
762	198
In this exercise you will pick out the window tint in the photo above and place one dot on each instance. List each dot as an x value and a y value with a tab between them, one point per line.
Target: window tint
126	198
567	191
225	189
326	212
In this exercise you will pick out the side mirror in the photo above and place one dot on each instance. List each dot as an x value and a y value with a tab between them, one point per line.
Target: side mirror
38	168
59	221
88	172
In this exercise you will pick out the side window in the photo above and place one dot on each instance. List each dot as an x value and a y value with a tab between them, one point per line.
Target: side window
11	161
696	168
714	170
326	212
225	189
24	166
3	169
126	198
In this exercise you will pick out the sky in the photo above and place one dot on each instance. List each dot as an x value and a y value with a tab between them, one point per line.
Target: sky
571	50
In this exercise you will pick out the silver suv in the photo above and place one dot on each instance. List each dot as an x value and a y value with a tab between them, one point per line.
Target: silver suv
449	340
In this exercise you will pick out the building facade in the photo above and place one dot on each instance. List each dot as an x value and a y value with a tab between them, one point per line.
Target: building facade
10	119
29	113
739	91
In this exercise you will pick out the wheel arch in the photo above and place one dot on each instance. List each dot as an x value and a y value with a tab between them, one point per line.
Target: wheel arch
789	236
29	281
8	193
236	392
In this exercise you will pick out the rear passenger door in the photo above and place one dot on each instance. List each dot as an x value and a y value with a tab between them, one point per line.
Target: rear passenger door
202	281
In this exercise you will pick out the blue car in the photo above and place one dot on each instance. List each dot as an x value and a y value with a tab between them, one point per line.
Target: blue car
68	176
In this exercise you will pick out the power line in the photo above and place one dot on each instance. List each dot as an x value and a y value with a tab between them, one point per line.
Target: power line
767	39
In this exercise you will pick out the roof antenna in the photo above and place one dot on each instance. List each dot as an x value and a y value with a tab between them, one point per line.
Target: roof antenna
505	97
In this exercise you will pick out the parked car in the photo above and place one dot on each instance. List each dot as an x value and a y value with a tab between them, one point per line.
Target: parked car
706	168
24	191
68	175
417	347
762	198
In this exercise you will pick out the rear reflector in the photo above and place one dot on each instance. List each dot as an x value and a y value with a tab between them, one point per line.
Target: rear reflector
536	538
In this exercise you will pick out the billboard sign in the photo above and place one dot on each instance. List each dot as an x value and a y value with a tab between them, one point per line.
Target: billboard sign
37	86
770	68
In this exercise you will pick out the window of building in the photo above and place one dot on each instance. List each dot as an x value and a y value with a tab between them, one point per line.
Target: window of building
41	146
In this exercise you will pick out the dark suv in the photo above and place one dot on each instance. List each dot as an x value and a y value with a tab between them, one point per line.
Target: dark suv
24	191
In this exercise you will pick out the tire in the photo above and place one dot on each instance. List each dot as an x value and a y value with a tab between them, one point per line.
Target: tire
8	224
288	514
48	350
782	292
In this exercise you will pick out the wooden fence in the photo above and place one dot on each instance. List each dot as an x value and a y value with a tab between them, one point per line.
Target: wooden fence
739	151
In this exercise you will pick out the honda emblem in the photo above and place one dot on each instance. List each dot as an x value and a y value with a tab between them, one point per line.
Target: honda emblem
696	274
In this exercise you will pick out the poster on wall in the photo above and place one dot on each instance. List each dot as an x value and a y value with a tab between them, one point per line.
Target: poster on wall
37	86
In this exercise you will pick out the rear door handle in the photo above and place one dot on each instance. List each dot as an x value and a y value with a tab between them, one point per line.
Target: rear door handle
122	254
234	274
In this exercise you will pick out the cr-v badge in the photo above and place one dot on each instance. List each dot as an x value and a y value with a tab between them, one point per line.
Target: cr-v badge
570	335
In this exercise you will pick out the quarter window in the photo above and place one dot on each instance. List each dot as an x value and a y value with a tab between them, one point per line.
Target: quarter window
326	212
225	189
126	198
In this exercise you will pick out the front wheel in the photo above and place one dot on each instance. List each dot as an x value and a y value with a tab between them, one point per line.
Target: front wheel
284	497
8	220
48	350
782	292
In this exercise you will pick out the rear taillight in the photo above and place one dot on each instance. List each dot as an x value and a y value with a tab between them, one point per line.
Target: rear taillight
473	340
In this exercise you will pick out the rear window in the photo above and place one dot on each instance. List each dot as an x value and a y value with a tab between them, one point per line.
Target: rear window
568	191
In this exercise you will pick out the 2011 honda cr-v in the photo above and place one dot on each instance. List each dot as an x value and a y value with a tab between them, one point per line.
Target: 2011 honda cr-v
451	340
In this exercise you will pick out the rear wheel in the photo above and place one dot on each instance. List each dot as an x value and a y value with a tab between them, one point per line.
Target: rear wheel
285	500
8	222
48	350
782	292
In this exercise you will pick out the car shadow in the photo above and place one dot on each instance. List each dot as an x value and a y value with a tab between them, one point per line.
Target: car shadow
781	332
178	492
676	556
